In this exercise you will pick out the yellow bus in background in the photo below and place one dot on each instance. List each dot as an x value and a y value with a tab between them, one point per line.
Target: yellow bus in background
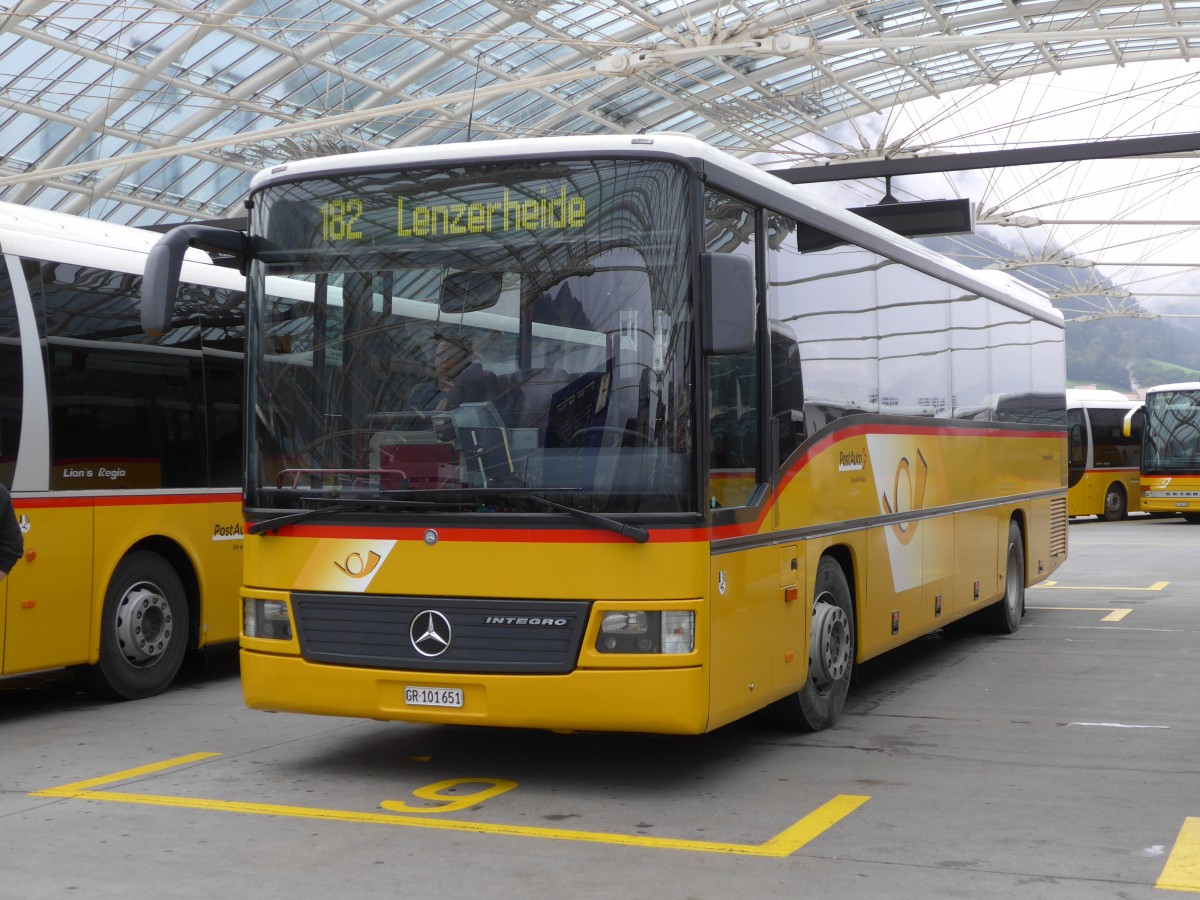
123	456
711	441
1170	473
1103	454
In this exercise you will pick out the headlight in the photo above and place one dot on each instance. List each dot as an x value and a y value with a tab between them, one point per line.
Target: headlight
678	632
641	631
266	619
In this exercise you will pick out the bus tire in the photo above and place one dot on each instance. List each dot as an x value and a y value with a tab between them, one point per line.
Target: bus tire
1115	503
1004	616
831	653
144	630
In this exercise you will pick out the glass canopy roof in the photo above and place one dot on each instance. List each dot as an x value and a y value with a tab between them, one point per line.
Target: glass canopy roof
154	111
151	112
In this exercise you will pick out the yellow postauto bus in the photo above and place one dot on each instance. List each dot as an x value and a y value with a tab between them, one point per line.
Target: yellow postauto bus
122	453
1103	454
1170	473
706	444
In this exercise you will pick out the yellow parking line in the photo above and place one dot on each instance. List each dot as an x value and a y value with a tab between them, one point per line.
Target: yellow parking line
1054	585
1114	614
80	788
783	844
1182	871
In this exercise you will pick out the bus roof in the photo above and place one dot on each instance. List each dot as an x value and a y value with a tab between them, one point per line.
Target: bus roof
17	219
720	168
1089	396
61	237
1179	386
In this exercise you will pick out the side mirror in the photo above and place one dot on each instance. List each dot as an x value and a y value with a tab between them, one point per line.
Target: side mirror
1127	424
464	292
727	303
160	281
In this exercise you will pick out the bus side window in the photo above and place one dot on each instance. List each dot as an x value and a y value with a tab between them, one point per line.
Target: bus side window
787	389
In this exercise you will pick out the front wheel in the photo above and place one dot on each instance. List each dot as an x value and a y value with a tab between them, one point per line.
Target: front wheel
1115	505
830	656
144	630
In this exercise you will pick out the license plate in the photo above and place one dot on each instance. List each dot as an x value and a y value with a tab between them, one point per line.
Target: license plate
428	696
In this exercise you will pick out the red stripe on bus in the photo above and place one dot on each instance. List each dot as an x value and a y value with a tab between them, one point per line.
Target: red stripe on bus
76	501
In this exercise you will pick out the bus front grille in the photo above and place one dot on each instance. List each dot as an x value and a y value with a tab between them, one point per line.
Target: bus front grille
440	634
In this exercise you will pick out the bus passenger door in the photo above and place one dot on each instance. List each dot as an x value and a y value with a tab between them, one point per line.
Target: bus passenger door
48	613
1077	444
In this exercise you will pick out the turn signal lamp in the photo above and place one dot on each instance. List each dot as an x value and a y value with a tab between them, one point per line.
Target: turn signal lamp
266	619
640	631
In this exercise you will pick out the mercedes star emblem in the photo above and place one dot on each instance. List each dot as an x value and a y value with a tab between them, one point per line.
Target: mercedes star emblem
430	633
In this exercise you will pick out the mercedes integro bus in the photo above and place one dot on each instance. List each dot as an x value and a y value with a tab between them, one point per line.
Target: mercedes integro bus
685	469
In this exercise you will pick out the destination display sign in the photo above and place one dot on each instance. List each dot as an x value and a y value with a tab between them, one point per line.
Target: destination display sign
351	217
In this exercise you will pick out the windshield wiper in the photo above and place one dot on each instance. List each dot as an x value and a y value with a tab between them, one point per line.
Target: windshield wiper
633	532
344	505
276	522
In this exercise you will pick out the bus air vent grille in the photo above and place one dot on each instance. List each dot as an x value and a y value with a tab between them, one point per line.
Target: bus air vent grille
1058	528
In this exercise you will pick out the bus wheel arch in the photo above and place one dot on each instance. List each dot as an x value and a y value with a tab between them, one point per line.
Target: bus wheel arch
145	627
833	649
1116	503
186	569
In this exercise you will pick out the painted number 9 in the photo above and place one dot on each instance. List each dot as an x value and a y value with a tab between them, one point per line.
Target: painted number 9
338	218
447	797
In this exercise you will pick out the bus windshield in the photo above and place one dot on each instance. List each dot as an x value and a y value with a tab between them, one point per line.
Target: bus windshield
474	338
1171	440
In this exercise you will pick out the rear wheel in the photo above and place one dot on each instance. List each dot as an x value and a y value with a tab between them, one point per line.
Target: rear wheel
144	630
1115	504
1004	616
830	656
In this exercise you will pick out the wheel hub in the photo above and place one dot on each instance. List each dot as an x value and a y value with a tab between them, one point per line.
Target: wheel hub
829	653
143	624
